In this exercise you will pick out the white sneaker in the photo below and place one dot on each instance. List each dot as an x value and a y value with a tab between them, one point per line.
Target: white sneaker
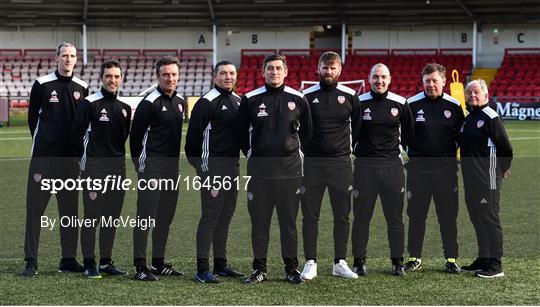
341	269
310	270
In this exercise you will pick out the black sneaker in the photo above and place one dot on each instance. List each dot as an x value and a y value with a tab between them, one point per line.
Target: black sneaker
491	273
30	270
492	269
413	265
110	269
294	277
144	274
360	269
479	264
70	265
451	267
92	272
166	269
256	277
398	269
207	278
228	272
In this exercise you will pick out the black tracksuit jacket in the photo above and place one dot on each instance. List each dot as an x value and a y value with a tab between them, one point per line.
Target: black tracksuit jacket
100	131
54	100
272	125
386	124
335	111
156	132
210	140
485	149
436	126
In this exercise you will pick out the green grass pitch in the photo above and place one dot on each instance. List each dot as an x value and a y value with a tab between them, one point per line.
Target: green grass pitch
520	214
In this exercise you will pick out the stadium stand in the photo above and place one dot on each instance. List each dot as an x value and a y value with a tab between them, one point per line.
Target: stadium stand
405	65
19	68
522	65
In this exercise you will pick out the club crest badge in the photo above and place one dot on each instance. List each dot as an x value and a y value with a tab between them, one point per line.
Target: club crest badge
92	195
394	112
355	193
250	196
341	99
77	95
291	105
124	112
37	177
214	193
180	108
447	113
479	124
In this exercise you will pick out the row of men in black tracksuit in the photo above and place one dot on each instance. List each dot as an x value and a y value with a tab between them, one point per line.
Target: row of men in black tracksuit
65	122
275	126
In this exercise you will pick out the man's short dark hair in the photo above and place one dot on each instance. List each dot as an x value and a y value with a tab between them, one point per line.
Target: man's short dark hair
221	63
168	60
329	57
109	64
274	57
434	67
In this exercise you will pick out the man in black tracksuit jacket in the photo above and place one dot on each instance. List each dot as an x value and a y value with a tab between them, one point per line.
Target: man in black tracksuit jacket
99	134
274	120
432	167
335	110
212	149
378	168
486	158
53	103
155	138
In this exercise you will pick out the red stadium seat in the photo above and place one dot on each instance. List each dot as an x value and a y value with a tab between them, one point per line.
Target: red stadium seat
23	103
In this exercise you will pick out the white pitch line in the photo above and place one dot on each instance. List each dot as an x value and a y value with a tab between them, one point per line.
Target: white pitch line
522	130
15	139
525	138
511	139
14	132
28	158
13	159
27	131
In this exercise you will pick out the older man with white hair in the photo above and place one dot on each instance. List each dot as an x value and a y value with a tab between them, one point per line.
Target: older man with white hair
486	158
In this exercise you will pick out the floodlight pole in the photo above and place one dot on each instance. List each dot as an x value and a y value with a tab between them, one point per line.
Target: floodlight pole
343	42
214	44
85	49
474	44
